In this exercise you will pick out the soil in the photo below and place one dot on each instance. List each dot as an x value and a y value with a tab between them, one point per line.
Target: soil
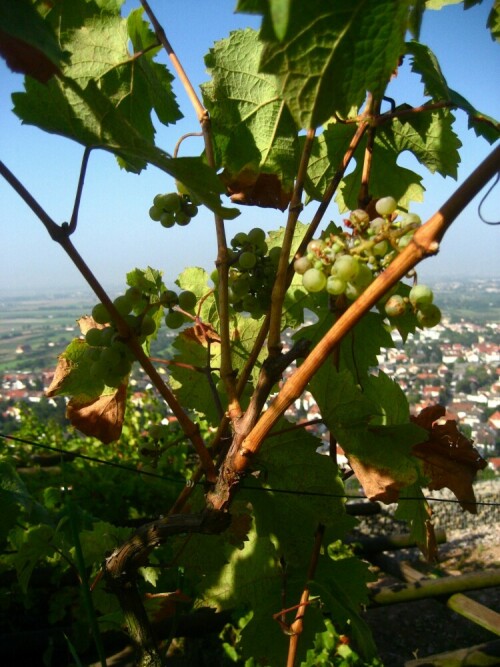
423	628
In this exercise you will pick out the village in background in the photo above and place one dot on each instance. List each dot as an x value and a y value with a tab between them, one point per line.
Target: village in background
455	364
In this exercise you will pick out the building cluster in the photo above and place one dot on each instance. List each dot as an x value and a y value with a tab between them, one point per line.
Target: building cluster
454	364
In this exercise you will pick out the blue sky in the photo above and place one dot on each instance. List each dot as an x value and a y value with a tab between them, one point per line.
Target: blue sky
115	233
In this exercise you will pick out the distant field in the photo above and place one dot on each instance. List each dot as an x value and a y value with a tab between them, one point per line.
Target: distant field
42	324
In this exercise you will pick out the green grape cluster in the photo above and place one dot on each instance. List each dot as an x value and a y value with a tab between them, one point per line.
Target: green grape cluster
346	262
173	208
178	306
111	357
252	272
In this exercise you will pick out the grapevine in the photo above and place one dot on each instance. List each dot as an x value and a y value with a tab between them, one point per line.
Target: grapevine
343	263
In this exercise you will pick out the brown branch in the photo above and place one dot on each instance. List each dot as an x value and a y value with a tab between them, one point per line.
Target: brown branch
425	243
373	108
281	282
222	262
297	626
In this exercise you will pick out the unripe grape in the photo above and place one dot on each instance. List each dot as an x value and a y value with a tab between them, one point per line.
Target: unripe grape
190	209
148	325
155	213
428	316
133	294
174	319
93	337
363	278
314	280
410	219
122	304
187	300
301	265
386	205
335	286
170	202
395	306
274	255
257	236
376	224
100	314
182	218
167	219
420	295
107	335
239	240
247	260
346	268
169	298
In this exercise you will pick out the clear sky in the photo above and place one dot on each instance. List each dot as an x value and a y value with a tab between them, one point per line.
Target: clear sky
115	233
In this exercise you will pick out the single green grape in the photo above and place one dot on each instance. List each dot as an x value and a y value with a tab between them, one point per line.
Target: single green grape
346	268
395	306
148	325
190	209
123	304
155	213
257	236
386	206
182	218
314	280
100	314
167	219
421	295
335	286
174	319
428	316
274	255
187	300
247	260
93	337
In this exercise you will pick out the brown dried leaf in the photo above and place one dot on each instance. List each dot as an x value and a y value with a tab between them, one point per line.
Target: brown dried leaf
201	333
87	322
101	418
63	369
26	58
449	458
378	483
256	189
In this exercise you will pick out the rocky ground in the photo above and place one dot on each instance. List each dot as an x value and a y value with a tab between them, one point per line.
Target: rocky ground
425	627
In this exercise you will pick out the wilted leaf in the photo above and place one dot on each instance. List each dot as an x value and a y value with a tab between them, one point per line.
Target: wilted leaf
449	458
378	483
254	189
101	418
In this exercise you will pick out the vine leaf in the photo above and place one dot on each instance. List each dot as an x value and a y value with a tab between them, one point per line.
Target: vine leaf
27	42
253	130
425	63
361	39
105	96
101	418
404	184
449	458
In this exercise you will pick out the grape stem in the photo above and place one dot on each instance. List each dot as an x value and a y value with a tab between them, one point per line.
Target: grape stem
222	261
281	282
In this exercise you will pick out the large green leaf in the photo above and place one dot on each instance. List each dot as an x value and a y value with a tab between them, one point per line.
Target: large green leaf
333	53
252	126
